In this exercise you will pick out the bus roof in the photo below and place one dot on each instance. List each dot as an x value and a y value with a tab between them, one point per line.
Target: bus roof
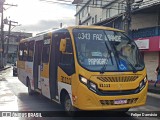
71	28
95	27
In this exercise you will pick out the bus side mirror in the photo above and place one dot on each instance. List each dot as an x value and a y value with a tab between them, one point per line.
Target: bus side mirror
63	45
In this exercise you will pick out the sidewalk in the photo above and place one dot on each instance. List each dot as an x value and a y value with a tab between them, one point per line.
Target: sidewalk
6	67
153	89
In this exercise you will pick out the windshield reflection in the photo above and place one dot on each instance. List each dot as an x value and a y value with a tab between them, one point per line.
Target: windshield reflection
96	48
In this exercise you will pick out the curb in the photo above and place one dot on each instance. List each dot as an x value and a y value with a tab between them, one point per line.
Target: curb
151	87
154	91
5	68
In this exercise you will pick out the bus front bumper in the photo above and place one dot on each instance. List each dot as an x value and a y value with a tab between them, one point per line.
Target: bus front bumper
88	100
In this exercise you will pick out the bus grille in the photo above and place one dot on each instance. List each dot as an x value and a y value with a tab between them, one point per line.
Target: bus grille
111	102
118	78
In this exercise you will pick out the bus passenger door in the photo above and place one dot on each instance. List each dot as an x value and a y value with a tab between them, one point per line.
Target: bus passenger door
37	63
45	67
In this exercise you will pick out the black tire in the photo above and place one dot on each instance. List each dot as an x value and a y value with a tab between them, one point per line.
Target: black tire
125	110
68	107
68	104
30	91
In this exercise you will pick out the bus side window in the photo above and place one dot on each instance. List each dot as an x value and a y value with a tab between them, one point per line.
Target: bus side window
45	54
30	51
23	51
67	58
20	53
68	46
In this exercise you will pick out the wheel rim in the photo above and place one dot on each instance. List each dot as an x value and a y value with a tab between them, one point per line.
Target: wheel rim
68	105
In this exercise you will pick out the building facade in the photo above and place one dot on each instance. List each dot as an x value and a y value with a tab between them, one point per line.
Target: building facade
144	28
90	12
13	42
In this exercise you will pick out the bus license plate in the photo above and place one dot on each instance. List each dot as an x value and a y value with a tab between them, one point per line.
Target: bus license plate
119	102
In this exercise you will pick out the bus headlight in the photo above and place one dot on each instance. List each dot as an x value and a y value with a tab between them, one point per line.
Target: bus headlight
142	83
92	86
83	80
145	79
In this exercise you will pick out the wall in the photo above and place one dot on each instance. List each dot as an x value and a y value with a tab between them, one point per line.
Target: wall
144	20
151	60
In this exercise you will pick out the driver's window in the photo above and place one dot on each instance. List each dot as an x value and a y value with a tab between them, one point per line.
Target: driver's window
67	58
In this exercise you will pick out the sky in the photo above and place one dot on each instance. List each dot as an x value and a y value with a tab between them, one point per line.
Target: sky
35	16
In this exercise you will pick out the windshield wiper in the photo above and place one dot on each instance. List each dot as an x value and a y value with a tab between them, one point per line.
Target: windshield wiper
105	65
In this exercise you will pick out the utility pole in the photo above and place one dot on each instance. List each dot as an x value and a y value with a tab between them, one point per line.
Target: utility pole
9	31
2	36
127	23
2	56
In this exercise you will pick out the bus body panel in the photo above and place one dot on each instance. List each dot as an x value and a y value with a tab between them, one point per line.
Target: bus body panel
45	87
90	101
25	71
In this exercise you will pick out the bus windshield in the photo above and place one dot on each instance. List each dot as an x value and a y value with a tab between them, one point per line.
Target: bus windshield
112	49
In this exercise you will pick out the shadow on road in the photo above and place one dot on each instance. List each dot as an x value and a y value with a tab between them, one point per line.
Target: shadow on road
36	102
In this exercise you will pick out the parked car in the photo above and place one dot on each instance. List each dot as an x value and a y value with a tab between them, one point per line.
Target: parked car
15	69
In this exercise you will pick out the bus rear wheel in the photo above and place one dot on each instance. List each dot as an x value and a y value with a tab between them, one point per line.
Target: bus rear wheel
30	91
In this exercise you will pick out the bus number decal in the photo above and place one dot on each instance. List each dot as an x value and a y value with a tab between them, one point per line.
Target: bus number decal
115	38
66	80
88	36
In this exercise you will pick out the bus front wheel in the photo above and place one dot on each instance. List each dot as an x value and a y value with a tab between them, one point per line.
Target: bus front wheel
67	104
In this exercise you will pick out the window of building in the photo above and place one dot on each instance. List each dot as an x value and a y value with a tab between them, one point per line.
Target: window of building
79	15
87	9
108	13
95	18
96	2
92	20
82	13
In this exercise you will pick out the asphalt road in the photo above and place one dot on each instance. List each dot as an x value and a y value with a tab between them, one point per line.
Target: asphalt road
14	97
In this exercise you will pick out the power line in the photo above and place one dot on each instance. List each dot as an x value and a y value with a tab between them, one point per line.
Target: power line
66	2
56	2
92	6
